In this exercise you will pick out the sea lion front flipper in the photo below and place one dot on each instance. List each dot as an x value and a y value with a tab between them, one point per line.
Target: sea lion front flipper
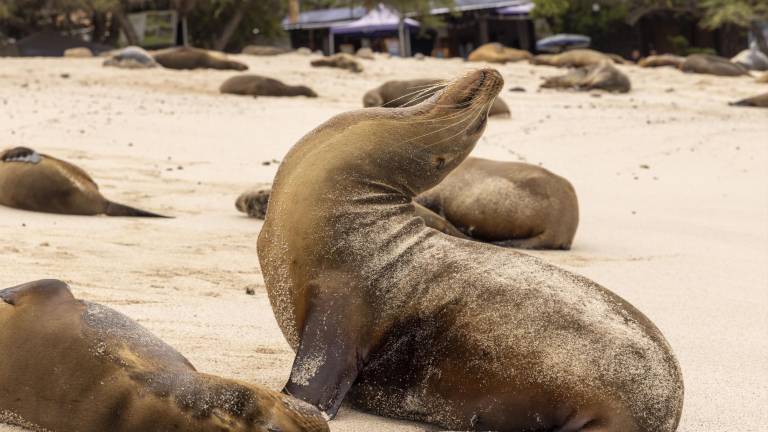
331	352
21	154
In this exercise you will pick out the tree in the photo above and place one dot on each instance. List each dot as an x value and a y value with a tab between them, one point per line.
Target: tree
742	13
220	24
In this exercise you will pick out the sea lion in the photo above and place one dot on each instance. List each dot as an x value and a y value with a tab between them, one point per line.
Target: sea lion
38	182
507	203
74	366
763	79
195	58
264	50
393	94
408	322
131	57
497	53
574	58
342	61
254	203
78	52
365	53
759	101
600	76
255	85
712	65
662	60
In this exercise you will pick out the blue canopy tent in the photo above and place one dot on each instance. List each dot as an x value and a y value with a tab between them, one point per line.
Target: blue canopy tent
378	21
560	42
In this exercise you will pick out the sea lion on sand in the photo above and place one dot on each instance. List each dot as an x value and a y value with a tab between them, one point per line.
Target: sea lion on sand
38	182
195	58
662	60
507	203
763	79
342	61
405	321
255	85
394	94
497	53
760	101
601	76
131	57
73	366
264	50
573	58
712	65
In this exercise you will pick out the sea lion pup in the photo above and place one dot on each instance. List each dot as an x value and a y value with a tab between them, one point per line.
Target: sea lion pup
507	203
712	65
38	182
131	57
254	203
408	322
342	61
497	53
394	94
255	85
87	368
195	58
574	58
601	76
662	60
760	101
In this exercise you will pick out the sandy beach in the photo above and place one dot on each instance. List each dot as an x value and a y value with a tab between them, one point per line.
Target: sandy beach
672	184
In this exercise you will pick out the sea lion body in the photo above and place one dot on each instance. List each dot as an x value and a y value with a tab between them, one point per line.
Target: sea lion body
600	76
662	60
407	322
195	58
341	61
763	79
264	50
84	367
497	53
255	85
38	182
507	203
759	101
394	94
712	65
131	57
574	58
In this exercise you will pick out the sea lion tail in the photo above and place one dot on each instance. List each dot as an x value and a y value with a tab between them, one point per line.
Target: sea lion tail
115	209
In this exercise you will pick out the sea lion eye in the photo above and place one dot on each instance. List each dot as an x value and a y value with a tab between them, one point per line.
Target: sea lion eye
440	163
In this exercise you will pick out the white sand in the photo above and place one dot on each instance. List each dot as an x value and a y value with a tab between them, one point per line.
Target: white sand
685	240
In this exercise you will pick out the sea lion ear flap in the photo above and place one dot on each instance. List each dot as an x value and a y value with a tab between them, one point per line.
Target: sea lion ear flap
330	353
46	288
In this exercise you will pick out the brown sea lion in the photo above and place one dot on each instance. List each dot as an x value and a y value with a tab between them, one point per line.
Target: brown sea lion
574	58
712	65
38	182
195	58
759	101
264	50
662	60
497	53
254	203
394	94
342	61
255	85
763	79
404	321
507	203
73	366
600	76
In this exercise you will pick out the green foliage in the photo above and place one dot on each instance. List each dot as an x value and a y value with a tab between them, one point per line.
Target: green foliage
419	8
581	16
208	18
738	12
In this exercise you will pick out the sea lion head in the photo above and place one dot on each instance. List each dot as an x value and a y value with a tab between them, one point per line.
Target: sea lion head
303	90
373	99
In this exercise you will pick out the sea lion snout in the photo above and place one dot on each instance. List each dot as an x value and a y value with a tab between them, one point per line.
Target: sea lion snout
477	87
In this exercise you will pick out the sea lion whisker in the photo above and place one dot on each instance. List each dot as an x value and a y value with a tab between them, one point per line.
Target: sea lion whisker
420	94
468	114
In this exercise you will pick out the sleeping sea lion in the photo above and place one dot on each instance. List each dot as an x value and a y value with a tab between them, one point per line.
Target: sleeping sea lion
662	60
264	50
404	321
38	182
255	85
759	101
342	61
195	58
497	53
600	76
712	65
73	366
507	203
393	94
131	57
574	58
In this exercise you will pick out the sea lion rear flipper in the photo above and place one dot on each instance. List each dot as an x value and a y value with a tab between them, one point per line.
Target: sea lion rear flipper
330	354
115	209
21	154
